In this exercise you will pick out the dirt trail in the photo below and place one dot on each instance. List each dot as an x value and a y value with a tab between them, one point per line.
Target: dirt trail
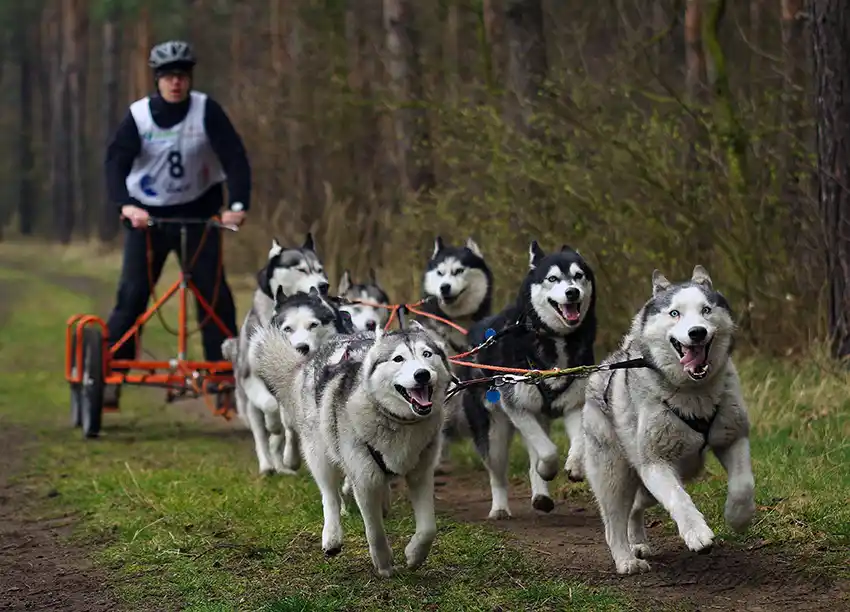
570	541
39	570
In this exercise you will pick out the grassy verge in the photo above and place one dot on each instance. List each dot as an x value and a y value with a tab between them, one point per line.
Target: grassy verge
172	505
171	502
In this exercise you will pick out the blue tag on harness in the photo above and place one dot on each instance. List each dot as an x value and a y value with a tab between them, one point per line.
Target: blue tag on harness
489	333
493	395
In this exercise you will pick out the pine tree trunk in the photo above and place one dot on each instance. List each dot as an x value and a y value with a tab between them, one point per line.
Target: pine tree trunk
410	122
27	195
831	49
527	62
109	223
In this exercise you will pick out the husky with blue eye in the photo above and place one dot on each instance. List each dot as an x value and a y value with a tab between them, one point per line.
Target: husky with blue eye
647	430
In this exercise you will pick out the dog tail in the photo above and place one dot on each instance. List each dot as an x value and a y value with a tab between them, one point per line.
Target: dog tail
272	358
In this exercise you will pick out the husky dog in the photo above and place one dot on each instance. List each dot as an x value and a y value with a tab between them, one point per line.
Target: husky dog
367	414
553	323
290	270
647	430
458	285
364	316
307	320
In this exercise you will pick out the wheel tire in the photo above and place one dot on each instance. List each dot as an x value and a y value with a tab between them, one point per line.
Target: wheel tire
225	400
76	388
91	394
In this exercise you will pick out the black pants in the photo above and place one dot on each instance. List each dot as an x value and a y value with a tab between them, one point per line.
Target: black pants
134	287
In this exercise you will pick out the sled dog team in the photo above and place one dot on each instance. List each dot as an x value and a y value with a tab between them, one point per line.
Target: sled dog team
318	378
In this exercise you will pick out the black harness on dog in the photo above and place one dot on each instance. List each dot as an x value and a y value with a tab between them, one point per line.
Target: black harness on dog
379	459
700	425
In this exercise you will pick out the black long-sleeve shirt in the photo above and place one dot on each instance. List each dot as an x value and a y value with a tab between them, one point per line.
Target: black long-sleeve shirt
225	141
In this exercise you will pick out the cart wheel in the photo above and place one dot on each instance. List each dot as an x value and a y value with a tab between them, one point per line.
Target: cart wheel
224	402
91	394
76	411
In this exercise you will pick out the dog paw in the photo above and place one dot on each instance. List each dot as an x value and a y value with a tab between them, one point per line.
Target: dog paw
386	572
416	553
267	471
574	470
286	470
333	550
699	538
641	551
631	565
499	514
739	513
543	503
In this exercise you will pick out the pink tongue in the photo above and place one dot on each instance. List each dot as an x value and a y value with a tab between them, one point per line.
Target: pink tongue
420	396
694	356
570	312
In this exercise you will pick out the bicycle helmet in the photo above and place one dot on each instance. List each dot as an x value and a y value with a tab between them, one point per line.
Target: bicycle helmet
172	54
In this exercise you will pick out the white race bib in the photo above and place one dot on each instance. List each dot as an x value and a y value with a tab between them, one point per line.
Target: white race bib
176	165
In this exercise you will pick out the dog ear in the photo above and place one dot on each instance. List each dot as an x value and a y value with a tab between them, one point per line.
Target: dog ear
276	249
309	243
438	246
535	254
344	283
279	296
379	333
659	282
473	246
416	326
263	282
373	276
701	277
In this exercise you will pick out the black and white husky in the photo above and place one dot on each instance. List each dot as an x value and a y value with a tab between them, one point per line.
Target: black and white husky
364	316
458	285
367	408
556	315
288	271
647	430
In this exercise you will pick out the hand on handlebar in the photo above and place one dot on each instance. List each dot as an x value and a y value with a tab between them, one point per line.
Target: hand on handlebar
234	218
138	217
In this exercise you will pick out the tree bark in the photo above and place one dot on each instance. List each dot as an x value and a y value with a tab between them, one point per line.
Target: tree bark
527	63
109	223
62	186
493	41
831	50
27	198
76	46
412	156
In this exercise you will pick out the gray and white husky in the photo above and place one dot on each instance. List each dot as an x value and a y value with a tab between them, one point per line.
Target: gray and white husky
365	317
647	430
308	320
289	270
368	408
553	322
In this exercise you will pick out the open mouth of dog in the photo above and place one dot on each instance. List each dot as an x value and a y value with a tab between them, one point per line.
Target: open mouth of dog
419	398
451	299
694	358
569	312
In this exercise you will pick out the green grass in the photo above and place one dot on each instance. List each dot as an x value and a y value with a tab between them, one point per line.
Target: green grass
171	503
